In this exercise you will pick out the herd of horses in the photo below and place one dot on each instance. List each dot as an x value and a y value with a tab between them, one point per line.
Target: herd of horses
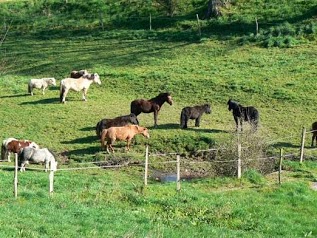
123	128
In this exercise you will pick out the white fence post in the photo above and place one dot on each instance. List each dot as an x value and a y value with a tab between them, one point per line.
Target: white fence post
302	145
51	176
239	157
16	177
178	176
146	165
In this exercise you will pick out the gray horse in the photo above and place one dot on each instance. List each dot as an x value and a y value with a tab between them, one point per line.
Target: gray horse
29	154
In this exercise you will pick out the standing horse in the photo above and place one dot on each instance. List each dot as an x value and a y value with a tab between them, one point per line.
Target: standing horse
117	121
40	84
13	145
241	113
193	113
79	84
29	154
121	133
153	105
314	132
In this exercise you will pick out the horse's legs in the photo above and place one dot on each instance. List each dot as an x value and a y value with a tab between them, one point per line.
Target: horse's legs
155	118
84	94
43	89
314	137
197	121
237	123
128	144
7	154
64	95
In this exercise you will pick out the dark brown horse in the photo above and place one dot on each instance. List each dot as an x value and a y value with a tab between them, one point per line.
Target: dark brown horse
153	105
241	113
314	132
13	145
118	121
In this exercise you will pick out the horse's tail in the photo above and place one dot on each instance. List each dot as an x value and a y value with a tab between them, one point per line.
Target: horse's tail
29	87
103	137
98	129
61	92
183	118
3	151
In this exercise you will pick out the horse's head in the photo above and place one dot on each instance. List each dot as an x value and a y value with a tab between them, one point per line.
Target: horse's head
207	108
34	145
169	98
96	78
133	119
144	131
53	81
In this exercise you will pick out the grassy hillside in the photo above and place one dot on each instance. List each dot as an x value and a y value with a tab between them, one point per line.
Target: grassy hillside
226	61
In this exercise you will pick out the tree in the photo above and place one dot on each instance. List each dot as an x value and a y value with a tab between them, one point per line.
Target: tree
214	8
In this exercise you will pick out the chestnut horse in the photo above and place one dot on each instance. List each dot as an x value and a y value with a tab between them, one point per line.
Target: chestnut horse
125	133
13	145
153	105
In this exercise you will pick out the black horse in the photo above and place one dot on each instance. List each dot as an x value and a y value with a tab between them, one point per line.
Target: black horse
193	113
241	113
314	132
153	105
118	121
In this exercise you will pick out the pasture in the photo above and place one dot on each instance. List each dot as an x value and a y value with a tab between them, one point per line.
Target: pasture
280	83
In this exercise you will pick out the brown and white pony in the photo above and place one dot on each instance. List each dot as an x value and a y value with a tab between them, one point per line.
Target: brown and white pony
12	145
80	84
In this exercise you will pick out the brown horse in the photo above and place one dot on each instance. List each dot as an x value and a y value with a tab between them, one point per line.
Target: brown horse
13	145
121	133
314	132
153	105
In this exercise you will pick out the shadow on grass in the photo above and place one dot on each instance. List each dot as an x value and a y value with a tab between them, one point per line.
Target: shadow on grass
15	96
285	145
42	101
176	126
83	140
88	128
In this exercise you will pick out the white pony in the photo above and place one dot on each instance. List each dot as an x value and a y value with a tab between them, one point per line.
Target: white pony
77	85
40	84
29	154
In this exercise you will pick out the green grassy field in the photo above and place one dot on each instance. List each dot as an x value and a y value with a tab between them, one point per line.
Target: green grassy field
280	82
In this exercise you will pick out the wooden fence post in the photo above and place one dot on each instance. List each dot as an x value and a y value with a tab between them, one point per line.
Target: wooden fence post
150	22
239	157
280	166
199	30
16	177
51	176
146	165
178	175
302	145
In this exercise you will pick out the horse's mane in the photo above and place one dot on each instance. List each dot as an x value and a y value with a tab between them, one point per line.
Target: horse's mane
161	95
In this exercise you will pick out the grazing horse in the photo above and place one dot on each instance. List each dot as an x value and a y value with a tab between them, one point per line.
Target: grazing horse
29	154
241	113
193	113
314	132
117	121
79	84
40	84
13	145
125	133
77	74
153	105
